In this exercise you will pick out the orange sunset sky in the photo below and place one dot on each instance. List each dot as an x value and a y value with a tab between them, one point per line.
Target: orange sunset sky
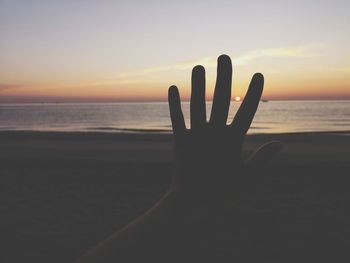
65	51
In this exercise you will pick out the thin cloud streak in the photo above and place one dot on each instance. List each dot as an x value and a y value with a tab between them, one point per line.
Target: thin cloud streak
346	69
4	86
311	50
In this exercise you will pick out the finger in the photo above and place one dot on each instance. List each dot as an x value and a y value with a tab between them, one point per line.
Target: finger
198	114
222	93
176	116
246	111
264	154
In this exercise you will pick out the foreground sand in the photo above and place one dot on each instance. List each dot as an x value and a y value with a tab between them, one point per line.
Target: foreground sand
61	193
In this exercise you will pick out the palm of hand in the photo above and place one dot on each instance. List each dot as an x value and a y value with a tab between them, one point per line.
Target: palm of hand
205	161
208	157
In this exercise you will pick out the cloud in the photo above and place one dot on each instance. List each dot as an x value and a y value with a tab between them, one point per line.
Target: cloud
243	59
207	61
346	69
311	50
146	74
4	86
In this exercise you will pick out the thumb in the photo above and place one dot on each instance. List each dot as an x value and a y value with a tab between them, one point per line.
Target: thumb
264	154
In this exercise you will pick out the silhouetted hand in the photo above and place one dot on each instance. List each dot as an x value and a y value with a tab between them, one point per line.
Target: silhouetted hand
208	157
208	162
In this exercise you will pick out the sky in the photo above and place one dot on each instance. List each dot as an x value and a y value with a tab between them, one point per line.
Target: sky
82	50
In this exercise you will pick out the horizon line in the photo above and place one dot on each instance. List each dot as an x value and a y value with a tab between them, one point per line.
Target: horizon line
75	100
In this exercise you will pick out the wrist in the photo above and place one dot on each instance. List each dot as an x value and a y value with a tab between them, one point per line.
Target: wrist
186	198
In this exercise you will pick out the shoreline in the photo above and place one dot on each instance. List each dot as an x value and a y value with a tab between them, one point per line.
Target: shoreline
136	132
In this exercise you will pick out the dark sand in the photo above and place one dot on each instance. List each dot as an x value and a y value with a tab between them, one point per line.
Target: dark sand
62	193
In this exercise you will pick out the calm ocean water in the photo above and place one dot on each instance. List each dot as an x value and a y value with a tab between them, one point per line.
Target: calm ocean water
272	117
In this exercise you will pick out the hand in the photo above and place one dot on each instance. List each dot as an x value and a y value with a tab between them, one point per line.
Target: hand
208	157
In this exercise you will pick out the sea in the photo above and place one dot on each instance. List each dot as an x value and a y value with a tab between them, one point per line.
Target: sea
271	117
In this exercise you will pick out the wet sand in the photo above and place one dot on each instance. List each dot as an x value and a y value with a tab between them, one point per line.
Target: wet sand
61	193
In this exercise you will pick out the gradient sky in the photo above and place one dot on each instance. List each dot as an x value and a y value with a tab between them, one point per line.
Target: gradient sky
134	50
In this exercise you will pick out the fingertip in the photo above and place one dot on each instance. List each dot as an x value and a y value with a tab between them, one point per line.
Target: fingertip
224	58
224	61
172	90
198	69
225	66
257	84
259	77
173	94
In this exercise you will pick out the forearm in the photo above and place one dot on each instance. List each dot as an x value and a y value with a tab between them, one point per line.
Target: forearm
159	219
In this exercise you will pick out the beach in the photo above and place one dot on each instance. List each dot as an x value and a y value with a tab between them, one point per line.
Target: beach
93	95
63	192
